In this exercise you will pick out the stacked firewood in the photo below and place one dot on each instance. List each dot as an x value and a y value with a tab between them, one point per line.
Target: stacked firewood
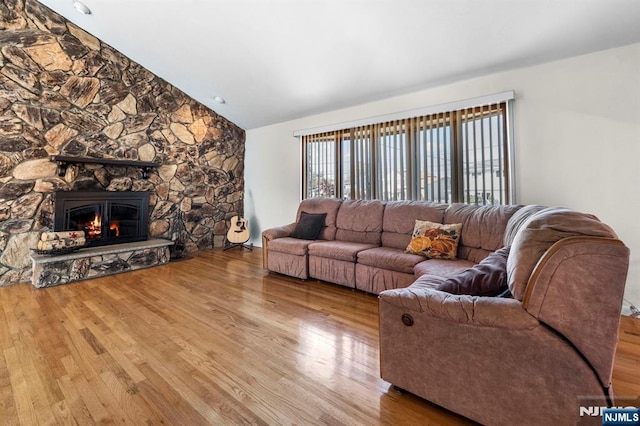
61	240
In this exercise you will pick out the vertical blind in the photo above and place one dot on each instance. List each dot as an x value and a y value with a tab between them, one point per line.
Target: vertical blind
448	156
319	169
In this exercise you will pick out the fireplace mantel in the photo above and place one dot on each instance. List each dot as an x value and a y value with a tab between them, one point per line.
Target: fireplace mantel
64	161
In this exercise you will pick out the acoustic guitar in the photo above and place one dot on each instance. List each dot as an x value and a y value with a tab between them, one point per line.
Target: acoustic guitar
238	230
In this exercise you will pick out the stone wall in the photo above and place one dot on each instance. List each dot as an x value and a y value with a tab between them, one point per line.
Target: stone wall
62	91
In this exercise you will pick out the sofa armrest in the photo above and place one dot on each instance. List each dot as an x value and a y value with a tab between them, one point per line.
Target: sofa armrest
488	351
463	309
278	232
272	234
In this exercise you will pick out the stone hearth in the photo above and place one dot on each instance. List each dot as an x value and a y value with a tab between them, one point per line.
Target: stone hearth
64	92
94	262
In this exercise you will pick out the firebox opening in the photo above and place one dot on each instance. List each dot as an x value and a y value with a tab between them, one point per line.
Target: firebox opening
93	227
105	217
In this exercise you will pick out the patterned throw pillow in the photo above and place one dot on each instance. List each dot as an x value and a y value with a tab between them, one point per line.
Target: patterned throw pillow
435	240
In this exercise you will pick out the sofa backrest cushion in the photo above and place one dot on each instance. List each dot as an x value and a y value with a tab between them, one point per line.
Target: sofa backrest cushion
517	220
483	228
400	218
539	232
329	206
360	221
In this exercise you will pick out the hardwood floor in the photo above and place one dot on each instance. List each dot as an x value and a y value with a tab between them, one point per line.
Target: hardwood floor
210	340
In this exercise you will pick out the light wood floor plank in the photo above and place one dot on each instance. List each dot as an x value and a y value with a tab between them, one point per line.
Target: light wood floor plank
213	339
7	403
78	409
22	395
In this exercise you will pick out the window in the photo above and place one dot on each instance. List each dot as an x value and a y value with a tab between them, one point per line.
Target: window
320	166
459	155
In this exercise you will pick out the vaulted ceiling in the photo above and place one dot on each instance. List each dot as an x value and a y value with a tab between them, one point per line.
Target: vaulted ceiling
277	60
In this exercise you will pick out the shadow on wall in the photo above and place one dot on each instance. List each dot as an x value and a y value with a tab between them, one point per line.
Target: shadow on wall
254	224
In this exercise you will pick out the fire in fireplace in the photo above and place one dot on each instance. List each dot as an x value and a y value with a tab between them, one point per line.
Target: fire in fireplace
105	217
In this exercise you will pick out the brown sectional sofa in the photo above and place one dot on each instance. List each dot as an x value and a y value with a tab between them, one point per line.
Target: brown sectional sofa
533	358
362	244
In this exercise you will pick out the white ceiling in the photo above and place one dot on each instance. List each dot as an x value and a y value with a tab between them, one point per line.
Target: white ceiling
277	60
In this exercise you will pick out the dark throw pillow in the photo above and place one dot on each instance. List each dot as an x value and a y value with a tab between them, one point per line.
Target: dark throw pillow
309	226
487	278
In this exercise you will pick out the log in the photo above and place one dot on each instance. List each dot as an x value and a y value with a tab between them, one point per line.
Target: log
61	243
49	236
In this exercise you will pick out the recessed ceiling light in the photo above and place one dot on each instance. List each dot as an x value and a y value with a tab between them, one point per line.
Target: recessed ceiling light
219	99
81	7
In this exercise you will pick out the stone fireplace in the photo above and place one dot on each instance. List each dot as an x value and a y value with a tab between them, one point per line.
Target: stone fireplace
64	93
104	217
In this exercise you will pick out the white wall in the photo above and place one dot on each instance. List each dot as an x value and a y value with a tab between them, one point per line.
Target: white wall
577	139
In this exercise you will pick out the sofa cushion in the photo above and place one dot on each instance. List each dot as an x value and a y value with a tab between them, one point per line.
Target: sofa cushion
329	206
400	218
309	226
517	220
339	250
488	278
483	228
435	240
390	258
441	267
360	221
288	264
289	245
429	282
375	280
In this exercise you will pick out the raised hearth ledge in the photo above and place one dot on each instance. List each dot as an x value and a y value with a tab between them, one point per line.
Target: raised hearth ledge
96	262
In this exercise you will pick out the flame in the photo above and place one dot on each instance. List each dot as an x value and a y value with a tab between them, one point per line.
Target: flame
115	226
94	227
